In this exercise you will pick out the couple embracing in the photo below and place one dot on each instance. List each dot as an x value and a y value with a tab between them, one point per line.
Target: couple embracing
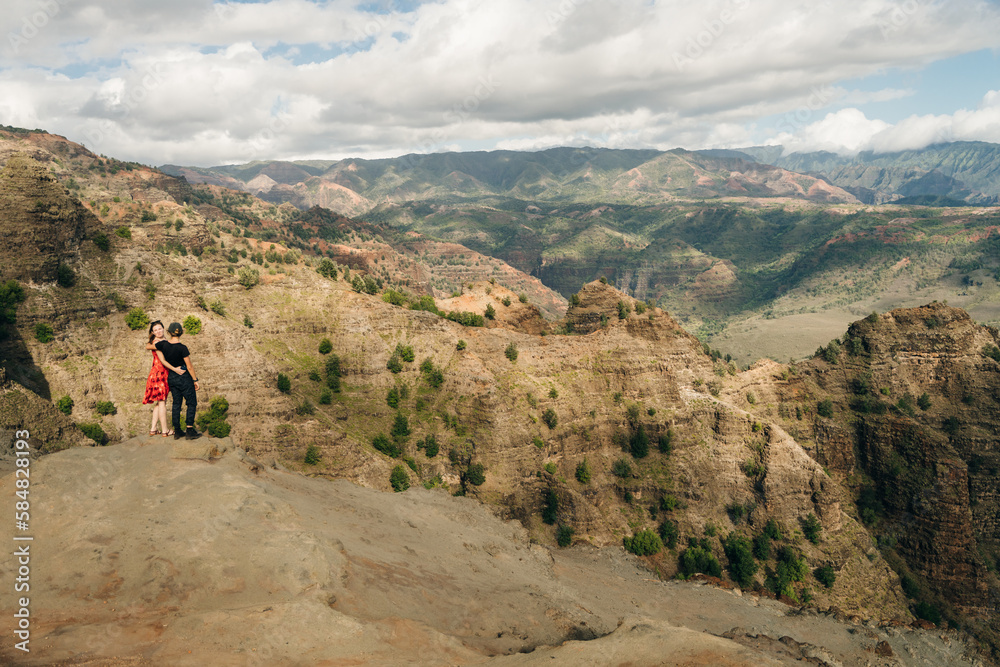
172	372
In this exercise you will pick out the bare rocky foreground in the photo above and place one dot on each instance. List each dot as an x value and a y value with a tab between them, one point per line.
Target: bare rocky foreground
157	553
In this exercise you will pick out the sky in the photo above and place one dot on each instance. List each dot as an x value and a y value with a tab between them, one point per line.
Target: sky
203	83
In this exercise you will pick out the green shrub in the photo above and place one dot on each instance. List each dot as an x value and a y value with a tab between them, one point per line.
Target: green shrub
247	322
399	479
65	405
511	353
992	351
811	528
550	418
213	420
643	543
284	384
505	301
313	455
218	307
219	429
762	547
550	468
825	408
192	325
491	312
742	566
639	443
326	396
248	277
124	232
386	446
44	332
431	373
305	408
333	372
583	472
564	535
825	575
102	242
94	432
666	441
927	612
475	474
137	319
669	503
924	402
395	365
621	468
697	559
550	506
325	346
431	446
105	408
623	310
461	345
400	428
669	533
392	398
951	425
773	530
522	297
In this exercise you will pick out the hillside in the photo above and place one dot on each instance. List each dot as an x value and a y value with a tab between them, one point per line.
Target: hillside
611	425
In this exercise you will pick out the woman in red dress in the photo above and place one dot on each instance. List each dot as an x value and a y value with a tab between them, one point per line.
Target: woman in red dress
156	383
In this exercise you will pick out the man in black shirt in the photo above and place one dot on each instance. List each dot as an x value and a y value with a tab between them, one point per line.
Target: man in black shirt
181	379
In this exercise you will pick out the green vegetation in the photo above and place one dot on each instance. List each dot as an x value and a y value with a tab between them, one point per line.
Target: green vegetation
825	408
742	566
137	319
65	405
621	469
218	307
698	557
284	384
475	474
564	535
248	277
192	325
94	432
105	408
460	345
669	533
11	296
511	352
643	543
639	443
399	479
491	312
811	528
313	455
102	242
665	443
124	232
825	575
382	443
550	506
550	418
44	332
583	472
431	373
333	373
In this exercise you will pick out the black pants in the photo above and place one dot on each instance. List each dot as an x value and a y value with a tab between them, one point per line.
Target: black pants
182	388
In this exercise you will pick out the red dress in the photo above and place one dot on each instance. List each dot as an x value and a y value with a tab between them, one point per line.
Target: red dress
156	383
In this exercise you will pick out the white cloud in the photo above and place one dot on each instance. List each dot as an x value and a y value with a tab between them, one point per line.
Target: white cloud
201	83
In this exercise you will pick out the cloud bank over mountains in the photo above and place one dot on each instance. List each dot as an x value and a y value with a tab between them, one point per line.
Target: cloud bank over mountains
209	83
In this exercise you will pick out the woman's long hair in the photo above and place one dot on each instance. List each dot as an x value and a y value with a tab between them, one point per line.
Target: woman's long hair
151	336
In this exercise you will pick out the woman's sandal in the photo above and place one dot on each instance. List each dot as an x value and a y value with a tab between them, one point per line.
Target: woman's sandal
168	433
153	432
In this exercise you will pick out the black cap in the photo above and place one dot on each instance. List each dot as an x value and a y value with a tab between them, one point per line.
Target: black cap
175	329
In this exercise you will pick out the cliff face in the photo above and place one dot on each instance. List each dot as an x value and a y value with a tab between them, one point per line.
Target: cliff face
40	225
914	427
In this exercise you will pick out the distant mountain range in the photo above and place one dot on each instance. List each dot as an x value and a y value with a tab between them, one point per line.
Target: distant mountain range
965	171
961	173
354	186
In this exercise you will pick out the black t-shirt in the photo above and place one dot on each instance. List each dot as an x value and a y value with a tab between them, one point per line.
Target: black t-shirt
174	353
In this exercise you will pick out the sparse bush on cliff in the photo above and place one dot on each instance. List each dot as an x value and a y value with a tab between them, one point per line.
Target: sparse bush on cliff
192	325
669	533
621	468
11	295
643	543
460	345
623	310
431	446
326	396
564	535
431	373
951	425
550	418
762	547
666	442
639	443
825	408
284	384
327	268
475	474
137	319
392	398
574	300
248	277
313	455
65	405
550	506
811	528
94	432
992	351
511	352
405	352
699	558
583	472
101	241
825	575
491	312
218	307
399	479
386	446
742	566
333	372
105	408
400	428
44	332
394	364
505	301
924	402
124	232
305	408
